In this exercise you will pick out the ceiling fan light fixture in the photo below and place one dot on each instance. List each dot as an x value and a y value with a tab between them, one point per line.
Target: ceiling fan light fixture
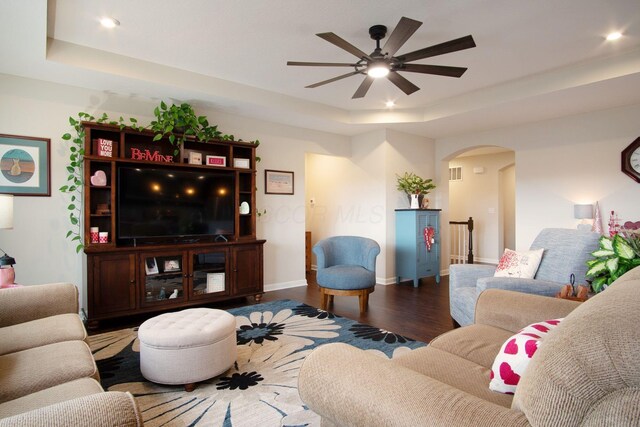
613	36
378	69
109	22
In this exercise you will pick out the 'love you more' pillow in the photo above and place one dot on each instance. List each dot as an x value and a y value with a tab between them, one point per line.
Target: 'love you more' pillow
515	354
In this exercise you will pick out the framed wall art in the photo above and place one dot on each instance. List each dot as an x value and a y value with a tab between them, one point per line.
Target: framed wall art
278	182
25	165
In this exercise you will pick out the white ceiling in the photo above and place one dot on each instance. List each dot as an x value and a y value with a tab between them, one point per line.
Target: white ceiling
534	59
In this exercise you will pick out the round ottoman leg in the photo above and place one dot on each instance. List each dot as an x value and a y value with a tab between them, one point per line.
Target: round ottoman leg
189	387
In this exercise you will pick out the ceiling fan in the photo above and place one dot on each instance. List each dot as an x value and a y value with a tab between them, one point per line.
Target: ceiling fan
382	62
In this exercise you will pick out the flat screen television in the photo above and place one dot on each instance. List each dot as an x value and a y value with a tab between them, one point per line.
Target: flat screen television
174	203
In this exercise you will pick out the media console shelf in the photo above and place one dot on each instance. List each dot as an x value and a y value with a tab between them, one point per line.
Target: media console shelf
188	261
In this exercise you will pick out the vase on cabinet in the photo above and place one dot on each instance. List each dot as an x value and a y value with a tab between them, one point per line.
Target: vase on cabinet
415	201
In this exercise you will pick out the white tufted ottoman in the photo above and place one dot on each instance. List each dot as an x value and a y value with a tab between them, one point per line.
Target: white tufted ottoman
187	346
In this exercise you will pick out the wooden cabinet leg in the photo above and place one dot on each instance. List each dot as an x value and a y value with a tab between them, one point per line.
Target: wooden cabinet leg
258	297
92	325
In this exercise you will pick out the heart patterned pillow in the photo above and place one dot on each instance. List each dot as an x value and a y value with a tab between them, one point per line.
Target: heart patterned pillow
514	356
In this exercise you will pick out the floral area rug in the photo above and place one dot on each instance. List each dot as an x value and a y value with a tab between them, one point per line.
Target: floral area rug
261	388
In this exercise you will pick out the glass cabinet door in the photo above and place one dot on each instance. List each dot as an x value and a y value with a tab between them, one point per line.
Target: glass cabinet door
164	276
208	276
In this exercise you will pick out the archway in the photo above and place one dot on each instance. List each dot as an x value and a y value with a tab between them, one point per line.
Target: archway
480	183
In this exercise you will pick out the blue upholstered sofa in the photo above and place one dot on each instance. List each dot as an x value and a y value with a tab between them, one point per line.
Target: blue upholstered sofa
565	252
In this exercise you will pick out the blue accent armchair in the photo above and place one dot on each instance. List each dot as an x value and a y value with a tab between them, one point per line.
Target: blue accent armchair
566	251
346	266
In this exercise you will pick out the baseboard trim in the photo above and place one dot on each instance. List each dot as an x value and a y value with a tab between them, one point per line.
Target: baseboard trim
284	285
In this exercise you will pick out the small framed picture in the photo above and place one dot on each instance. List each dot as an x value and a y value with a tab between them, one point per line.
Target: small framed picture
242	163
216	161
150	266
195	158
215	282
278	182
171	265
25	166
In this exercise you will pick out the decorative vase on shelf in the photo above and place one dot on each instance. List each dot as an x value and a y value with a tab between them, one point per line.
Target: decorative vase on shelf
415	202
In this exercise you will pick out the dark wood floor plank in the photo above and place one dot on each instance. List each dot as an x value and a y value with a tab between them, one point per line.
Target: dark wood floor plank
420	313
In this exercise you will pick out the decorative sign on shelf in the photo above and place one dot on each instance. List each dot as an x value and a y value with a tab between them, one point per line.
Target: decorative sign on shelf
104	147
195	158
155	156
242	163
216	161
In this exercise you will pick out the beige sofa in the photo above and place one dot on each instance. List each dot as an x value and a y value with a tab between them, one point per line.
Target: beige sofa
47	373
586	372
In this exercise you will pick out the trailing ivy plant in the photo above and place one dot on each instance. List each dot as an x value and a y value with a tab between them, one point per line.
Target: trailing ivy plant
177	122
174	123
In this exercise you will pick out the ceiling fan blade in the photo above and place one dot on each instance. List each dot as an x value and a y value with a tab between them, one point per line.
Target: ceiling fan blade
405	85
439	70
324	82
363	88
343	44
405	29
321	64
439	49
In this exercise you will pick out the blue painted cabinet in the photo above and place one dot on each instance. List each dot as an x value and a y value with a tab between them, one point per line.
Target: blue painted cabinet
413	259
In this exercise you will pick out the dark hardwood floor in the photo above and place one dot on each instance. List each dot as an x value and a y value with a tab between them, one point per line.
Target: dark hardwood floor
420	313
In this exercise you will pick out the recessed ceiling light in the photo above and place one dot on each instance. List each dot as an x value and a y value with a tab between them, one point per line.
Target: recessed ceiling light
109	22
390	104
613	36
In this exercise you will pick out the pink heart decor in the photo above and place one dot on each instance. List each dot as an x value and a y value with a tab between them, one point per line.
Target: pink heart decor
99	179
512	347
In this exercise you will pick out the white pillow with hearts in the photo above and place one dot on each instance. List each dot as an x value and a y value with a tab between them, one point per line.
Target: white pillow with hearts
514	356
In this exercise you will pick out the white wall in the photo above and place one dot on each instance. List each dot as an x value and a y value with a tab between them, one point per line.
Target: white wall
37	241
559	163
507	208
478	195
405	153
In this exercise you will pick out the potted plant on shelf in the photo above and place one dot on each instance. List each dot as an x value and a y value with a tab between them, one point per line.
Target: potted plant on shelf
176	122
415	187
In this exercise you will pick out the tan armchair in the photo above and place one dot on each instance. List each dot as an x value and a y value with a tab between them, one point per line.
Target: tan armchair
586	373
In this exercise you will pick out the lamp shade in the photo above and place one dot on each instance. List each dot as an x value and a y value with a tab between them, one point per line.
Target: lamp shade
6	211
583	211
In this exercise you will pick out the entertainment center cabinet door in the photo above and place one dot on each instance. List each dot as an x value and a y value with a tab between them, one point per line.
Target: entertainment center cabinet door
163	278
112	284
208	278
247	270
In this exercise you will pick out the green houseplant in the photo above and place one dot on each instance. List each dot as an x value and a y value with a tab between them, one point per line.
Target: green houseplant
177	122
616	256
410	183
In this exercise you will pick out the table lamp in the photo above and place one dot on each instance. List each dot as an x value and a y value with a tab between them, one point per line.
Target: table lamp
583	212
7	273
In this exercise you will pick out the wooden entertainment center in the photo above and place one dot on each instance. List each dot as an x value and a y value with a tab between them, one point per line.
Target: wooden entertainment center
129	276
